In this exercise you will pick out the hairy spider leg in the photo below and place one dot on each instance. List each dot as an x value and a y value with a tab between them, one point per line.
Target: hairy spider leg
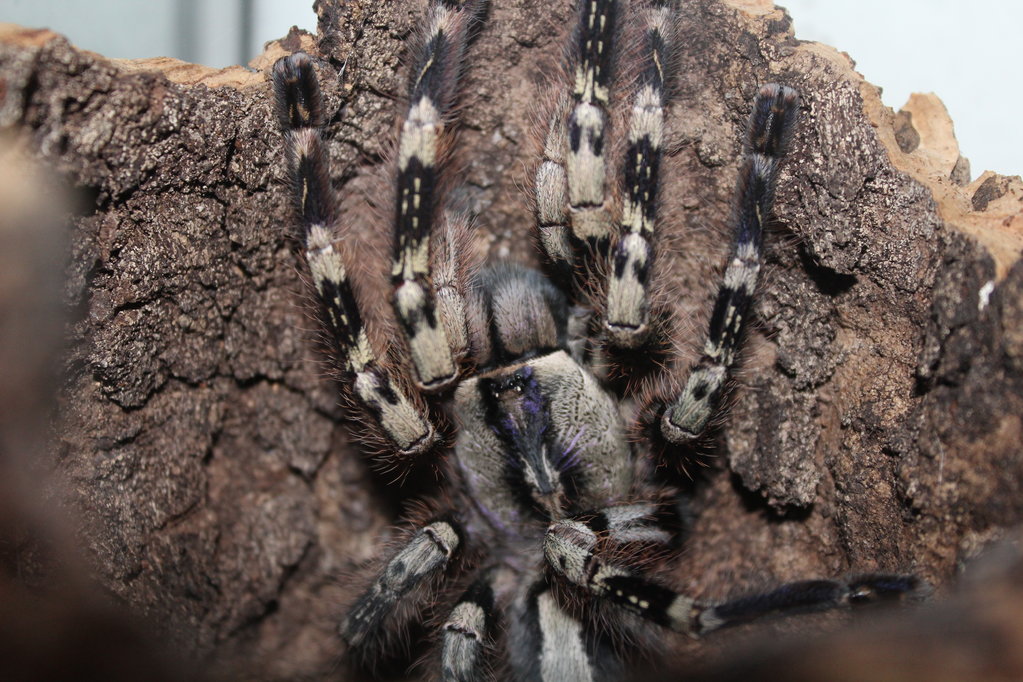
399	415
424	556
554	640
770	129
576	550
573	198
588	122
631	257
550	185
557	644
422	148
464	651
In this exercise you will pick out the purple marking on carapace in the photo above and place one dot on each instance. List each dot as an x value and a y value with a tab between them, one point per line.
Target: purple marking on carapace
570	456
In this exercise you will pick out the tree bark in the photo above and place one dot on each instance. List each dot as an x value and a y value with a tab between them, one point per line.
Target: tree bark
878	418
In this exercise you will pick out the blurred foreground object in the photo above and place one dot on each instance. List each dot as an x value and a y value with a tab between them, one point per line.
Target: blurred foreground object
54	623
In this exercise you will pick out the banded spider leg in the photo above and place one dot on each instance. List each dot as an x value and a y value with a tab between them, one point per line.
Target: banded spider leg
371	383
581	551
429	284
770	129
428	276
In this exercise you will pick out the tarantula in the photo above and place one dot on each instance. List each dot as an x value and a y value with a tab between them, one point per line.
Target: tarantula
552	522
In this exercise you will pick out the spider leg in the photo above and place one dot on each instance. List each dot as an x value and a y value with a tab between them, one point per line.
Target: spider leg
399	415
573	195
573	201
464	649
631	257
551	189
770	130
807	596
553	644
643	522
451	263
589	120
572	549
421	156
425	555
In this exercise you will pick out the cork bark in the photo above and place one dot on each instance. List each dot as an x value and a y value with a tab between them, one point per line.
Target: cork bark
214	491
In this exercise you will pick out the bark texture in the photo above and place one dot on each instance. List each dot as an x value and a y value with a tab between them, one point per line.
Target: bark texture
214	488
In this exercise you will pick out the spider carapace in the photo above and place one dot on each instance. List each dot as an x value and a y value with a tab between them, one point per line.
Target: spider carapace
552	529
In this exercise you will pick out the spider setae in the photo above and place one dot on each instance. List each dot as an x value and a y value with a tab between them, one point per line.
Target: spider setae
552	523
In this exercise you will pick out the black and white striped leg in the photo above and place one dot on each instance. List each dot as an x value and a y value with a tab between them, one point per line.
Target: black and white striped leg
421	152
571	549
467	636
770	129
631	258
555	646
401	416
426	555
589	121
656	523
571	184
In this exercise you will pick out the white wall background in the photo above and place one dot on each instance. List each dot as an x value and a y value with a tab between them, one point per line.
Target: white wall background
966	52
212	32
